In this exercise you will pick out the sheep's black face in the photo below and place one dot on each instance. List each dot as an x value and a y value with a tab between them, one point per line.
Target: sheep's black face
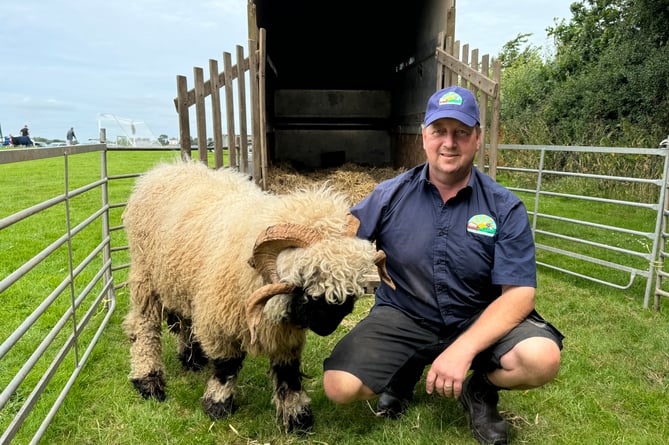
318	315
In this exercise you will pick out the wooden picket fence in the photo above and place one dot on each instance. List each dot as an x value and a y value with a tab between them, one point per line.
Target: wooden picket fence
235	82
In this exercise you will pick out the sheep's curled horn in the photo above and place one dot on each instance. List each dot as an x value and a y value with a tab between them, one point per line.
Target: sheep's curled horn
282	236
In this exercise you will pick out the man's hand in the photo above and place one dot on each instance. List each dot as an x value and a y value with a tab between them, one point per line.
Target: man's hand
448	371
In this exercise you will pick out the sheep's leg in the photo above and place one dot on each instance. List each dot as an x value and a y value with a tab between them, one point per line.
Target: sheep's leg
293	406
218	398
189	350
143	326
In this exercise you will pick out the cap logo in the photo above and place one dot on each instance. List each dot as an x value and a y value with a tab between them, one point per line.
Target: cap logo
450	98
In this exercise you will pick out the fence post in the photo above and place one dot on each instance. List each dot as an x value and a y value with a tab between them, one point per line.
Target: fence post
494	122
659	246
483	101
262	57
108	278
255	111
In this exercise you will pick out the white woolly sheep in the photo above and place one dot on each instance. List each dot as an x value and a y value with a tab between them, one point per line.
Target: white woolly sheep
235	270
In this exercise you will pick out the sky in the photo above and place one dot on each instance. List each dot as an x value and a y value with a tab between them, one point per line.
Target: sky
65	62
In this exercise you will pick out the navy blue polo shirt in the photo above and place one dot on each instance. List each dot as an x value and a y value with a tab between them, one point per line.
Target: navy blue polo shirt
448	260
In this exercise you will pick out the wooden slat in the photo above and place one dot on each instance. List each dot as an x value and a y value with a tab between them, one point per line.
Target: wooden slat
450	18
455	49
243	134
262	49
485	68
230	109
200	115
216	122
464	58
483	100
255	112
451	77
479	80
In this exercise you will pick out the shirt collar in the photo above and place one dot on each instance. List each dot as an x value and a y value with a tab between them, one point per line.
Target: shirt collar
423	174
470	184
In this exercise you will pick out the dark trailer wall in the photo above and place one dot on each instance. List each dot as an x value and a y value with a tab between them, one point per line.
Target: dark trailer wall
347	81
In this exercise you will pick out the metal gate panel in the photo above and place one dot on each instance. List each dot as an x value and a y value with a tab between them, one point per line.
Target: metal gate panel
65	317
564	232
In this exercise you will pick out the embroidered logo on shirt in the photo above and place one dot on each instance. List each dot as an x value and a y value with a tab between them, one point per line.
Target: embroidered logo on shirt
482	224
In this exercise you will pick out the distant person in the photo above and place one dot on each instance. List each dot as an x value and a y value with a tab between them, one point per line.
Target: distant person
71	136
25	131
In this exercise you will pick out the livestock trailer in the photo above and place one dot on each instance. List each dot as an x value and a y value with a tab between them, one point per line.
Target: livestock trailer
332	84
348	81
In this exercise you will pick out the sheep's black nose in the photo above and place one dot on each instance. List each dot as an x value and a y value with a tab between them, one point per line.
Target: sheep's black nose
324	318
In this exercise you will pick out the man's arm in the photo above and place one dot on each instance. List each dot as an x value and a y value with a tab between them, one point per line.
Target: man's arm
450	368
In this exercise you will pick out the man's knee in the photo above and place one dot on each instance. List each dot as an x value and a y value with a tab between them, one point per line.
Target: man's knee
344	387
541	358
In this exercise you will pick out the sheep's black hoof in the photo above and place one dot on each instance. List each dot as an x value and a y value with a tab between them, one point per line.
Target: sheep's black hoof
193	358
303	423
152	386
218	410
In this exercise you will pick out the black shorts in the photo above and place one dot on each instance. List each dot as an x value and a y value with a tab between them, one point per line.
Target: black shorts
387	349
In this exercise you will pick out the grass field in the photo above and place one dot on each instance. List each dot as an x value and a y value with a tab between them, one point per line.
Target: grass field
613	387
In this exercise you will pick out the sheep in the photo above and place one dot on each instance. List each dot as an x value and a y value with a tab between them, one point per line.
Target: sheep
234	270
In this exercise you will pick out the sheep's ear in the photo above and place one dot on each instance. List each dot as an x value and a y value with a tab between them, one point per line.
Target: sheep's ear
277	308
352	225
257	300
380	262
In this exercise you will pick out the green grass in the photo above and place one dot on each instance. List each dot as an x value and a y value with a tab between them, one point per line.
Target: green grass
613	387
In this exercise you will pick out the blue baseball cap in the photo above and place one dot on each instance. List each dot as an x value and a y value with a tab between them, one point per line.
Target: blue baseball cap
454	102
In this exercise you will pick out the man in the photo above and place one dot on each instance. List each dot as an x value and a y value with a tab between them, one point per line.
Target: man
25	131
462	258
70	137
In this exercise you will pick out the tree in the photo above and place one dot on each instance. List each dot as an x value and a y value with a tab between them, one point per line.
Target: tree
526	81
607	84
513	51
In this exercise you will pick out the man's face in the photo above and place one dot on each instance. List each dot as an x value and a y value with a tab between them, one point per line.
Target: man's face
450	146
